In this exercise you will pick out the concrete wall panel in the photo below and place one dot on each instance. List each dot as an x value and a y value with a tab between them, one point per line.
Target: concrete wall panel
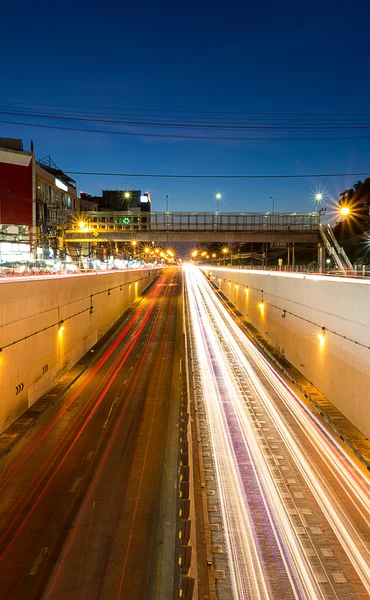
38	305
338	365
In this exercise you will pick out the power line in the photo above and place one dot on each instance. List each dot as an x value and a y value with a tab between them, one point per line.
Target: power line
175	125
177	176
131	119
186	137
208	112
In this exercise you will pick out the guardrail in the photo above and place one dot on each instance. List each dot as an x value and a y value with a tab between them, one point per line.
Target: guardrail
194	221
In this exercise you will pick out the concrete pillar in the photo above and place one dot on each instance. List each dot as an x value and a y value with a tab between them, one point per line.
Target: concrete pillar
320	258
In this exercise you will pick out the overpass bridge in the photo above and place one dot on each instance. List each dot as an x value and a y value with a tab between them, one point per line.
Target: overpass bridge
198	227
195	227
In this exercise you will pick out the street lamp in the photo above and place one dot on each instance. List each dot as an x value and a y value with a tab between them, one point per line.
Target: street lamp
218	198
273	204
345	211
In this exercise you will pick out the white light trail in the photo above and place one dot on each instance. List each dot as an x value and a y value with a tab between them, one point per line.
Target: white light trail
266	553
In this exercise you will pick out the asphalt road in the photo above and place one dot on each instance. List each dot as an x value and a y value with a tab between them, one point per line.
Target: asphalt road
288	504
80	496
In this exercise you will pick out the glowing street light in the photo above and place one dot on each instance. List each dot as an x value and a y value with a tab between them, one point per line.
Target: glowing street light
344	211
321	336
319	196
194	254
127	195
224	252
61	328
82	224
218	198
134	244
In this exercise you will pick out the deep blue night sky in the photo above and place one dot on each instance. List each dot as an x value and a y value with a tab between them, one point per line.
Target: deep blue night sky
216	56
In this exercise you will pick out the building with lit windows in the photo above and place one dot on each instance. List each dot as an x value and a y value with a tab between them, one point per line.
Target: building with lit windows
121	200
37	199
56	201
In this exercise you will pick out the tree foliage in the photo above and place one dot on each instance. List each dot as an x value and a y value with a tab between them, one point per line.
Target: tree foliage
357	199
353	230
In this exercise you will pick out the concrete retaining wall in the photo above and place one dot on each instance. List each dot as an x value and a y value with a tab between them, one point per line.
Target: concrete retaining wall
338	367
30	367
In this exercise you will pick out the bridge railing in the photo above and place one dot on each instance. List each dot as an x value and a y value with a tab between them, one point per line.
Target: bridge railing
195	221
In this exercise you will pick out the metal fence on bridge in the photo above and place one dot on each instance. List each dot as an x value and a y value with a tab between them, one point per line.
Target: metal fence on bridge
195	221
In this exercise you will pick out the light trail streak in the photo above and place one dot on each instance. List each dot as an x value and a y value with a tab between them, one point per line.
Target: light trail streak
16	518
267	554
19	278
61	573
309	276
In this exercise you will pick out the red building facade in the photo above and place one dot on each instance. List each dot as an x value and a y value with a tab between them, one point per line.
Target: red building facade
16	172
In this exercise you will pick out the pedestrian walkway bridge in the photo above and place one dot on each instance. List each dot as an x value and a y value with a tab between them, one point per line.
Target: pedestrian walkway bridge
200	227
195	227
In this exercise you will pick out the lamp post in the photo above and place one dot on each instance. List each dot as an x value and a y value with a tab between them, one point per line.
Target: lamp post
273	204
319	199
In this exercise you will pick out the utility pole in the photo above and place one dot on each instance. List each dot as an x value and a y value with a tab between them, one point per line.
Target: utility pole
167	219
273	204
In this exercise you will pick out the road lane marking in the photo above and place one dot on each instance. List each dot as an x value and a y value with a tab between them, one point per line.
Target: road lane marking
303	519
90	455
76	484
316	530
339	577
43	552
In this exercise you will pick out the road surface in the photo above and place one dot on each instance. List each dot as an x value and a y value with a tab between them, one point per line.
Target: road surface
80	497
294	506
